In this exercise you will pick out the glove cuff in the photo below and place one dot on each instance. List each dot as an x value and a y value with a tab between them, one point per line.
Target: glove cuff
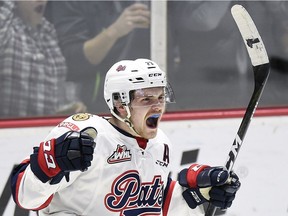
188	177
193	197
192	174
38	172
36	168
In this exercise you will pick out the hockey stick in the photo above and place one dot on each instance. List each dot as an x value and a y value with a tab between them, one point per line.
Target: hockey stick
261	69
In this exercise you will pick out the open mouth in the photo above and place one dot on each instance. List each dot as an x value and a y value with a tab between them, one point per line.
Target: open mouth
152	121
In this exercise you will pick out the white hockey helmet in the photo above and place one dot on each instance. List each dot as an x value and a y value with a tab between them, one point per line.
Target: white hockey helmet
128	75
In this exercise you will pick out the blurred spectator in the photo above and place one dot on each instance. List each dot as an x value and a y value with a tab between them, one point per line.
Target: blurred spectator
202	33
206	34
32	68
95	34
210	50
279	12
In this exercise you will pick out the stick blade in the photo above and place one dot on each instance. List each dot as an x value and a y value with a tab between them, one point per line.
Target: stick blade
250	35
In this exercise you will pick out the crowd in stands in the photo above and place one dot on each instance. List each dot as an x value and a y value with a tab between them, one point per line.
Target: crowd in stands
54	54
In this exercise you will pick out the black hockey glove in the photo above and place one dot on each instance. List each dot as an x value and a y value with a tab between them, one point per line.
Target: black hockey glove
212	184
57	157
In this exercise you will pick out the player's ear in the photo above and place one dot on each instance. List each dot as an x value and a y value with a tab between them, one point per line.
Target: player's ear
120	109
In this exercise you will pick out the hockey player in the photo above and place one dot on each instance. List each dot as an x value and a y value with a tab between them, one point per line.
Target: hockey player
91	165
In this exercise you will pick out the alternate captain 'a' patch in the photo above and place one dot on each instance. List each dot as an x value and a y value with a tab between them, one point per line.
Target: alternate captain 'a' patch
121	154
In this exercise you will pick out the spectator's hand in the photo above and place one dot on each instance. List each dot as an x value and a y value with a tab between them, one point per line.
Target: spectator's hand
212	184
135	16
75	107
57	157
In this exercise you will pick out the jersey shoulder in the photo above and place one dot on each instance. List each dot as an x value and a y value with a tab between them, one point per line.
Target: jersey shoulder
78	122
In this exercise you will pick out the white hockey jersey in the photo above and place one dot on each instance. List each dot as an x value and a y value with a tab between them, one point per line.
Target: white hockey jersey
124	179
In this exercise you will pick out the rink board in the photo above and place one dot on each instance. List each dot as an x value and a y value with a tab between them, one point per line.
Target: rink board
262	163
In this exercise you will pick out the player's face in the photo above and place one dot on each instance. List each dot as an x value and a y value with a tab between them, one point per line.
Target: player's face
147	108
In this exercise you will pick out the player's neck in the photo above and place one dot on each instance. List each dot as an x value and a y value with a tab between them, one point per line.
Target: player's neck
122	125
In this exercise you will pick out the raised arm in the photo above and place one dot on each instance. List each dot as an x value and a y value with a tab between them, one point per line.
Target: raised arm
35	181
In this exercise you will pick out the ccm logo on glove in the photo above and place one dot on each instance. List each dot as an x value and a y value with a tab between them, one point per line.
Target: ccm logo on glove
49	158
47	149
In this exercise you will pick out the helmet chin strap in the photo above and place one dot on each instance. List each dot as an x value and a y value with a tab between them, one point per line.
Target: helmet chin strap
126	120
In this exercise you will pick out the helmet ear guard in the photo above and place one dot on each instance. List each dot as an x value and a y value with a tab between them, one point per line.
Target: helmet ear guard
120	97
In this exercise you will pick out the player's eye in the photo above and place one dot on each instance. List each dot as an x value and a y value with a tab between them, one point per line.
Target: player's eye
161	98
146	100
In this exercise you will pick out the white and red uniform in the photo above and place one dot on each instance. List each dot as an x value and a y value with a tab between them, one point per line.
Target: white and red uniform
128	176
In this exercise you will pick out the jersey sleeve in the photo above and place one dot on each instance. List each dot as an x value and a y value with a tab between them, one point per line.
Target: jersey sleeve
175	204
27	190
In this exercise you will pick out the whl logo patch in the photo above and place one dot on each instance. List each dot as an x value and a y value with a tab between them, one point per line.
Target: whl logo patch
121	154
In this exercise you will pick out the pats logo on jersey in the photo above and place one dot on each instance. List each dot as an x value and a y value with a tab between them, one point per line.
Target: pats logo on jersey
121	154
130	196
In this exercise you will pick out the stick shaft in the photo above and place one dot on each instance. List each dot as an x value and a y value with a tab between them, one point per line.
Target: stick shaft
249	113
251	108
261	69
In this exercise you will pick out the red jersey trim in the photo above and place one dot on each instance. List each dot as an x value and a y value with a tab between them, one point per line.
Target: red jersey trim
168	198
19	178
